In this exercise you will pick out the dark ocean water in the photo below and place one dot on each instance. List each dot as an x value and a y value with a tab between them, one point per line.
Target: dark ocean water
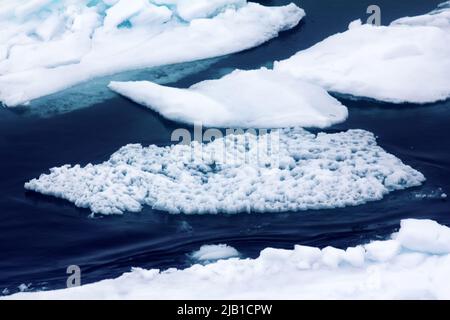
40	236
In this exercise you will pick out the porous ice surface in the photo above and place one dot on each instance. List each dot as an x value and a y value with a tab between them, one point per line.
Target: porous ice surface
47	46
257	98
284	170
413	264
407	61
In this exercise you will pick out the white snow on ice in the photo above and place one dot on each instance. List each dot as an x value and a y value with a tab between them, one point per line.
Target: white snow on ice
413	264
266	99
407	61
189	10
284	170
438	18
47	46
214	252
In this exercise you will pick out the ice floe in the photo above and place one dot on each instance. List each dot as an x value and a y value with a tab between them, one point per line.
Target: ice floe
413	264
283	170
438	18
48	46
407	61
214	252
250	99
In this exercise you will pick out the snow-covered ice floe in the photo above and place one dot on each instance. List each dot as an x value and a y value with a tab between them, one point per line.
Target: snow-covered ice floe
266	99
407	61
413	264
284	170
47	46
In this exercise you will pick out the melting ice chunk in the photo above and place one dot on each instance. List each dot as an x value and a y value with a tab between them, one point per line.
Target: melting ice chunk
209	253
258	98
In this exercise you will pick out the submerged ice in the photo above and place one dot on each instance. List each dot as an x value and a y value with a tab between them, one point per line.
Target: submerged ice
96	90
407	61
48	46
413	264
266	99
284	170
